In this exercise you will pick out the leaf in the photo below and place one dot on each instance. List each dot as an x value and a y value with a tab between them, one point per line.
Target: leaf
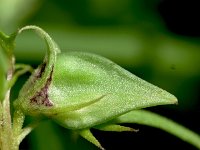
154	120
12	12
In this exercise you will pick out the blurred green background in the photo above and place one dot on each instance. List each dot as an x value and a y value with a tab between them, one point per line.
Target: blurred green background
158	40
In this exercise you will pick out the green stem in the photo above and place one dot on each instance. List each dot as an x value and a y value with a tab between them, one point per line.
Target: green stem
23	69
7	139
20	133
151	119
25	131
11	135
6	125
5	129
1	123
18	120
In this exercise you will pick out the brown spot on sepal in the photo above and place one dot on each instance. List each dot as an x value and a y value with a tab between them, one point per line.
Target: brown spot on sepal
40	71
41	97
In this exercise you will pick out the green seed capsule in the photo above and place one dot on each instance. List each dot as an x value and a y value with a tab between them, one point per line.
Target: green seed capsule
82	90
88	90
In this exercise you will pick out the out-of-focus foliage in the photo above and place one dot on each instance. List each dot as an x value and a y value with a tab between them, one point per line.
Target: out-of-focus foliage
12	12
130	32
3	69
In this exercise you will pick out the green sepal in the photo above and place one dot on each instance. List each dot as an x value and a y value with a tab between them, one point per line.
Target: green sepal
40	76
86	133
114	127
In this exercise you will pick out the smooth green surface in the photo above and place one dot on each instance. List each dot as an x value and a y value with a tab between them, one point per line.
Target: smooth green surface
14	11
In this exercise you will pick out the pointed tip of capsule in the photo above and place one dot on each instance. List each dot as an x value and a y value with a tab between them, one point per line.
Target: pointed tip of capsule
166	98
173	99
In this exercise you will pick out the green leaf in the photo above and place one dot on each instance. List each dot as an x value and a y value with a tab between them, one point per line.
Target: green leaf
154	120
12	12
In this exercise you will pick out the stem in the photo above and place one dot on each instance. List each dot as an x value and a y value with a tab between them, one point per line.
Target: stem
23	69
25	131
7	139
6	128
10	136
1	124
18	120
151	119
18	133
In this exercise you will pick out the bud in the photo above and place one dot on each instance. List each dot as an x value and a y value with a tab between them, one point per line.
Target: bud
81	90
